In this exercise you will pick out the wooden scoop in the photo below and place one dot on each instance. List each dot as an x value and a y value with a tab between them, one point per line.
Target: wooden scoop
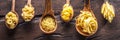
29	2
28	12
48	12
13	11
86	8
67	12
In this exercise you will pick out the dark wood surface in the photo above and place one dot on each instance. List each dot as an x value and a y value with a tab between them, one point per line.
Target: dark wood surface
65	31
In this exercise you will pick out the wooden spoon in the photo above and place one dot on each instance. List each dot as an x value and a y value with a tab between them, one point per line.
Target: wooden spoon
67	12
15	13
48	12
28	12
86	9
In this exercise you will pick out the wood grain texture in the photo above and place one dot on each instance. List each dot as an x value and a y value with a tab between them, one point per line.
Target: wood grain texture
65	31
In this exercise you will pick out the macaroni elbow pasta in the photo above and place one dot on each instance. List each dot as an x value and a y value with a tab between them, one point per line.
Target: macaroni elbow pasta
11	20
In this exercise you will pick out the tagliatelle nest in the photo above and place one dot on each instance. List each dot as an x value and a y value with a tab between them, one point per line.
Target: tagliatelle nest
48	23
108	11
11	20
86	23
28	12
67	12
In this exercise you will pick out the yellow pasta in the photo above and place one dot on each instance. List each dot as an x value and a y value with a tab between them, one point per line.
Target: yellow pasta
87	22
107	11
11	20
67	12
28	12
48	23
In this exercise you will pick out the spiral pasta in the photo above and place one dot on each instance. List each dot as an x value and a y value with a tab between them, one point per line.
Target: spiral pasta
107	11
28	12
11	20
87	22
67	12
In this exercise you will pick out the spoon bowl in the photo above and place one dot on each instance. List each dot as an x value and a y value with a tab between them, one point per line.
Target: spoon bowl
48	13
12	18
86	22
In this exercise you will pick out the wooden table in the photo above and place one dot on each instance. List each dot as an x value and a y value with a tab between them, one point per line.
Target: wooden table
65	31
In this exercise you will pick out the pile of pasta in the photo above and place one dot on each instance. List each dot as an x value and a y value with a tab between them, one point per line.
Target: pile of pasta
67	12
87	23
28	12
11	20
48	23
108	11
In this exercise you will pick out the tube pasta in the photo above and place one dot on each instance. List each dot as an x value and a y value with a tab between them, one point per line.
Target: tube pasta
107	11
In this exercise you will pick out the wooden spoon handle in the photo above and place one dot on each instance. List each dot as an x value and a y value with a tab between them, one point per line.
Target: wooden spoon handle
29	2
105	0
86	4
48	5
13	5
68	1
